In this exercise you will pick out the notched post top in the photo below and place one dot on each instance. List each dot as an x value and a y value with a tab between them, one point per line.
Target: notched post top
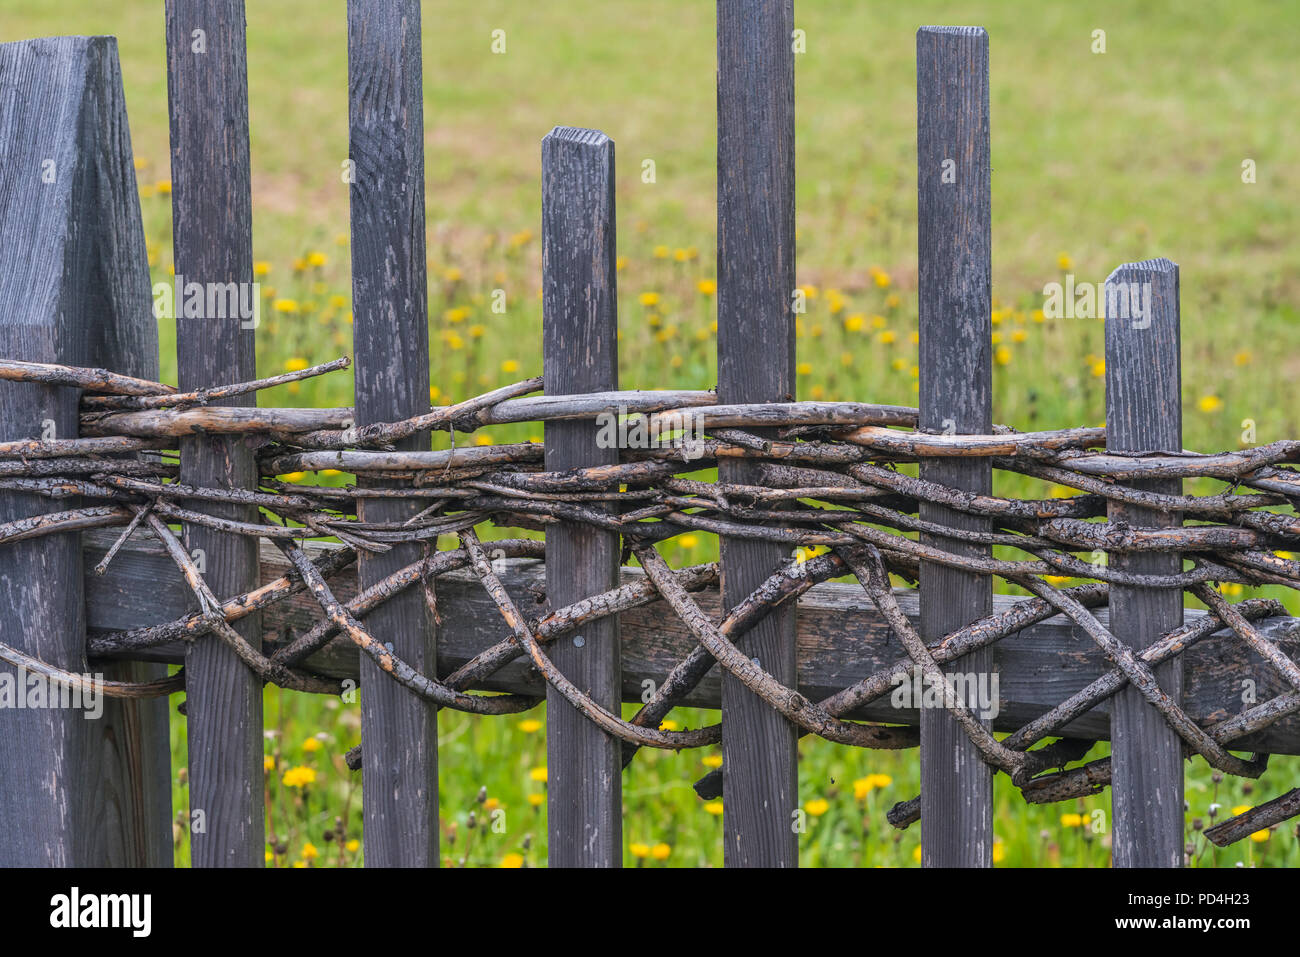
1143	357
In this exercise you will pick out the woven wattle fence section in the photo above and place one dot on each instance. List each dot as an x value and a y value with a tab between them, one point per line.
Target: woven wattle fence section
827	482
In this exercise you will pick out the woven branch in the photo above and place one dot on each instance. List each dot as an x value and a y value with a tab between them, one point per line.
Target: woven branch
827	477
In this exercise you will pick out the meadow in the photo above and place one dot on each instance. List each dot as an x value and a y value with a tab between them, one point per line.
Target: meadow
1099	159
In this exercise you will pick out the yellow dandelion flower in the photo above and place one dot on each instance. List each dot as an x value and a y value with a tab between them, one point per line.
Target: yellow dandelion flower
1002	356
294	477
899	364
1098	368
1209	403
269	857
660	852
482	439
309	851
880	780
311	745
661	252
1071	820
1039	316
1241	809
649	298
999	852
316	259
855	322
882	279
916	853
707	287
164	187
299	863
353	846
538	775
456	314
1057	579
886	337
530	726
1064	261
620	263
668	725
817	807
892	301
1242	358
298	777
804	368
285	305
261	268
1259	837
1019	335
513	859
713	807
268	763
688	540
296	364
711	761
452	274
536	800
639	851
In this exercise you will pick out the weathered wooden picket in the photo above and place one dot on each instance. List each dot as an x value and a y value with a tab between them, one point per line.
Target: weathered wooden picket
74	290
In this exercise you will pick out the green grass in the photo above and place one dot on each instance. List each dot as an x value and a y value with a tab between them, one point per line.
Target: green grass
1100	159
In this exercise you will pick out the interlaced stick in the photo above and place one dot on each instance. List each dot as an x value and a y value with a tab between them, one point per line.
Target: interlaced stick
829	477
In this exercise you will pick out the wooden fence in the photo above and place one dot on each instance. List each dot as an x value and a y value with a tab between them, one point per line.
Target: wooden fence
74	292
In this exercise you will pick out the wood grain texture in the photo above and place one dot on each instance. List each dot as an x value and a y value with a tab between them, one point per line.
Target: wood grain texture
841	639
580	354
74	288
756	364
956	396
207	90
391	344
1144	413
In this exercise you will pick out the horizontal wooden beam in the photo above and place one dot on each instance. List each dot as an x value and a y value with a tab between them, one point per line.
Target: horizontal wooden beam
841	639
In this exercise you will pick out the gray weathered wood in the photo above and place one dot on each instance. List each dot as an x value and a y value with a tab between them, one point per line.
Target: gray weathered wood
756	364
956	396
841	639
391	343
74	288
580	354
207	87
1144	413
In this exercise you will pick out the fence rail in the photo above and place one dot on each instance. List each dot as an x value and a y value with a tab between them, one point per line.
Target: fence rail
99	573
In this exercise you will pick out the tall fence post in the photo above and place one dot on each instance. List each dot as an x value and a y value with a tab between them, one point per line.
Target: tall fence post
391	343
756	341
74	289
580	354
955	292
207	87
1144	414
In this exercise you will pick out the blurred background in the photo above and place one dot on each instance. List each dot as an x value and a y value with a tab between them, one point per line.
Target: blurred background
1099	158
